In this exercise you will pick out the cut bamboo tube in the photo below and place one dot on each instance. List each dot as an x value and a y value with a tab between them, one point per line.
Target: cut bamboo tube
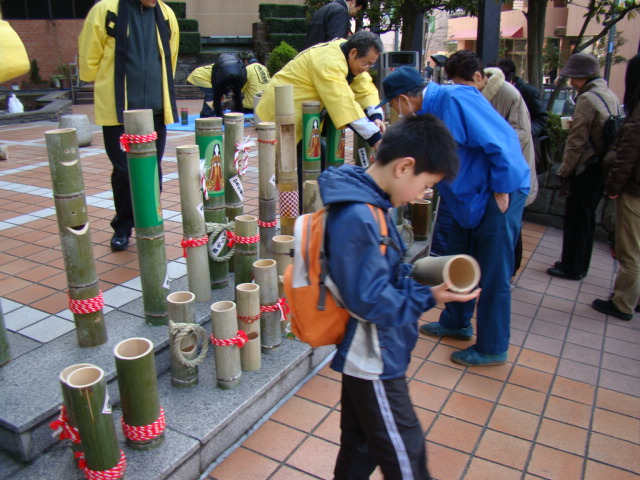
85	298
283	255
248	297
311	199
266	276
245	248
336	139
89	400
363	155
5	351
138	385
286	158
310	140
233	188
461	272
224	324
184	345
70	429
147	214
267	186
421	219
193	229
210	142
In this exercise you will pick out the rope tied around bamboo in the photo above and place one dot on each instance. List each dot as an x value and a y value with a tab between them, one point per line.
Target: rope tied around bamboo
281	305
63	429
127	139
240	339
191	243
270	142
215	229
143	433
113	473
89	305
243	147
267	224
183	330
249	318
233	239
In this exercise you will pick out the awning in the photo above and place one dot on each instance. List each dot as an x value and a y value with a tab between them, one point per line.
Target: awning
505	32
511	32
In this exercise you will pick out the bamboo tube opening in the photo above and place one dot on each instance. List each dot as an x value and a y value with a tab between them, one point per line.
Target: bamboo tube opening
462	273
80	229
222	306
132	348
283	238
264	263
248	287
66	372
188	148
85	377
58	131
233	117
252	335
246	218
181	297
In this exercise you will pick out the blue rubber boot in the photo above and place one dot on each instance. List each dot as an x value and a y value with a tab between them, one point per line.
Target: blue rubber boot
470	357
437	330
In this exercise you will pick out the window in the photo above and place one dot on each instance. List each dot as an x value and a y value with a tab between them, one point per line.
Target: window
45	9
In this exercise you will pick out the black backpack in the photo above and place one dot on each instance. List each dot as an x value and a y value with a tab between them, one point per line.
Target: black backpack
610	129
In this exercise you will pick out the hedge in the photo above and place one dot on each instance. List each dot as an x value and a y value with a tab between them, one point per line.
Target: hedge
188	25
274	10
287	25
190	42
179	8
294	39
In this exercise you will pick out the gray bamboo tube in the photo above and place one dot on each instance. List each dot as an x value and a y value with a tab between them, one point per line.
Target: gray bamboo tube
461	272
224	324
248	297
336	141
71	420
138	384
283	255
182	311
420	211
193	228
310	140
286	158
210	142
147	214
266	186
5	351
233	189
246	227
75	237
266	275
362	152
311	199
89	400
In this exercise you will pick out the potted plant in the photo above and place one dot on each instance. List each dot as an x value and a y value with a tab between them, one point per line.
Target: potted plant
64	75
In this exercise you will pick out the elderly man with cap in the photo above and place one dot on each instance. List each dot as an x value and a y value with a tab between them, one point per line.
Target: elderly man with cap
582	164
486	200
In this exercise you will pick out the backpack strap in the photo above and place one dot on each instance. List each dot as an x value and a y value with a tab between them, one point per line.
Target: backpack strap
593	144
381	220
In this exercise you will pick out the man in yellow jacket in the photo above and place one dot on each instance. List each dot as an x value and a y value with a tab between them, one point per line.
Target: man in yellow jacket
257	80
129	48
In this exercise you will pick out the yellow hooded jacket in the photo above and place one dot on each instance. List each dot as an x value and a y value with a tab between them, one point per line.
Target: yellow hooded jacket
201	76
320	73
257	80
97	52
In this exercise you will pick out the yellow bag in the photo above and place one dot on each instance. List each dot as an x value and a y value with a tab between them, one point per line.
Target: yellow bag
14	60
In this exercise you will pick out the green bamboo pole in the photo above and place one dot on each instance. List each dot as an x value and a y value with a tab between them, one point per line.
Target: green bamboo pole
210	142
85	298
71	417
246	229
266	276
193	228
89	400
138	385
5	351
224	324
335	145
286	158
311	199
310	140
183	339
248	296
420	211
266	186
233	189
283	251
362	153
147	214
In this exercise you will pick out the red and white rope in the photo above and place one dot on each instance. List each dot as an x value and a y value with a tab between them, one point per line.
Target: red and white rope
144	432
281	305
242	147
289	204
63	429
249	318
240	339
233	239
270	142
267	224
113	473
126	140
88	305
192	242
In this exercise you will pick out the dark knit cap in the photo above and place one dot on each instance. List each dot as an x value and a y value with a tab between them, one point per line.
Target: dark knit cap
581	65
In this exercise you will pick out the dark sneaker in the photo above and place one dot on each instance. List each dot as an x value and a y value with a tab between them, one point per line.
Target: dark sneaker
119	242
608	308
437	330
470	357
558	272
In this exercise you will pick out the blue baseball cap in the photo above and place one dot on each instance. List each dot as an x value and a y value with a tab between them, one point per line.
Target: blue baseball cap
403	80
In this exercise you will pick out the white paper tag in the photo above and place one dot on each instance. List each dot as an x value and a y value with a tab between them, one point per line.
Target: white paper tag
272	180
166	281
219	244
106	408
364	160
200	209
236	184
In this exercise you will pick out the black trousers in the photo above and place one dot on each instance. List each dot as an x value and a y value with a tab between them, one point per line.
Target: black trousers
586	190
220	89
379	427
122	222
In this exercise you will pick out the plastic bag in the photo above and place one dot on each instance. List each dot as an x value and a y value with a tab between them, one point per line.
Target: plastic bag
15	105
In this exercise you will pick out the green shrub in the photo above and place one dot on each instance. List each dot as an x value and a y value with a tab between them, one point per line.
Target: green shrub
557	135
34	72
287	25
294	40
179	8
188	25
279	57
274	10
190	42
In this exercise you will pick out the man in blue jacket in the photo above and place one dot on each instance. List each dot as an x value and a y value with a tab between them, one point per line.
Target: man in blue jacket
332	21
486	200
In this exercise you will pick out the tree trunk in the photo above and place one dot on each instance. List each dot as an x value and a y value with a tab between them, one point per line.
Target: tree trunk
535	41
409	14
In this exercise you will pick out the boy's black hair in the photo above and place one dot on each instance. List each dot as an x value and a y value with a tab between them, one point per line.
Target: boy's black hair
424	138
508	68
463	64
362	41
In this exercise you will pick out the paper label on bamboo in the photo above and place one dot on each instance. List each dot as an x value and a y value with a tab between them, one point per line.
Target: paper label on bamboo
272	180
236	184
106	408
200	209
219	244
364	160
165	284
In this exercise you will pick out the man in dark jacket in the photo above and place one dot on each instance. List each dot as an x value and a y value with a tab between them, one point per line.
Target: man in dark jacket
228	73
332	21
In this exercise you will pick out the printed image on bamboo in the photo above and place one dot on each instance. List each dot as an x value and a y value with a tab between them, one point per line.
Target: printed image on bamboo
227	341
313	145
335	145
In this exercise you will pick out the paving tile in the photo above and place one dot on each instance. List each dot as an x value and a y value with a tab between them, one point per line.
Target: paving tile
287	473
614	452
301	414
251	465
274	440
620	347
520	322
572	390
550	346
618	402
329	429
617	425
480	469
504	449
538	361
581	354
479	386
514	422
588	324
23	317
599	471
550	463
554	316
548	329
321	390
624	365
441	354
315	456
530	378
562	436
522	399
454	433
52	304
440	375
578	371
621	332
468	408
119	296
47	329
568	411
446	463
526	296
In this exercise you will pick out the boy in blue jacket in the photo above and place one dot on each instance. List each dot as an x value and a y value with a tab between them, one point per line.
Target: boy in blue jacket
378	423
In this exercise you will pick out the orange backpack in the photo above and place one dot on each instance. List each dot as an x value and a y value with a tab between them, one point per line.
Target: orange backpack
318	316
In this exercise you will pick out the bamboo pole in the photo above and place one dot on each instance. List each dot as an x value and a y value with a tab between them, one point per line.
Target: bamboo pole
68	421
336	139
310	140
195	238
311	199
210	142
248	296
85	297
267	186
286	158
224	324
245	247
233	189
283	255
138	384
89	400
420	211
147	214
266	276
363	154
5	351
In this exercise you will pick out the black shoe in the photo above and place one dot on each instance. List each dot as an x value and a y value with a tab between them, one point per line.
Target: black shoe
119	242
608	308
637	309
558	272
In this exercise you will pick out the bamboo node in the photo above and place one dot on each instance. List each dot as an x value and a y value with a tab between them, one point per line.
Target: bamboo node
233	239
89	305
192	242
281	305
63	429
113	473
240	339
181	330
127	139
144	432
